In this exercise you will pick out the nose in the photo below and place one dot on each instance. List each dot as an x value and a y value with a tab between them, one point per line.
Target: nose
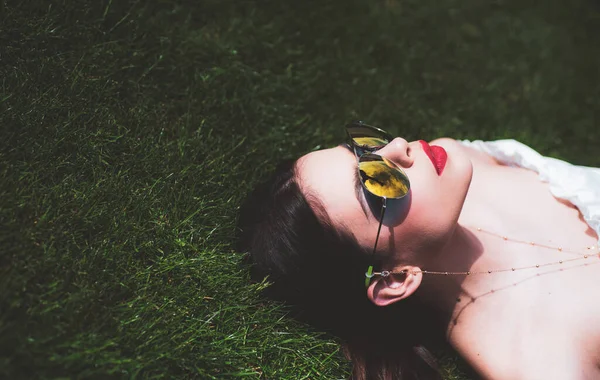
397	151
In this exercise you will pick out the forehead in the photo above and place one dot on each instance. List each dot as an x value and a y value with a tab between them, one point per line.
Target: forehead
329	175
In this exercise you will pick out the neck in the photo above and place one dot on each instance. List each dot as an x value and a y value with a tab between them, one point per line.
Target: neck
441	292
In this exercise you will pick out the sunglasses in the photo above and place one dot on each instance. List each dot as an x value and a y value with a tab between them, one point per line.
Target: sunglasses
379	176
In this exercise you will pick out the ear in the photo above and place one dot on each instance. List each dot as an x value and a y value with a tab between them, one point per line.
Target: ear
396	286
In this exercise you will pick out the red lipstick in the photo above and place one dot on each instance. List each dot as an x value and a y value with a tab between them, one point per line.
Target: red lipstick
436	154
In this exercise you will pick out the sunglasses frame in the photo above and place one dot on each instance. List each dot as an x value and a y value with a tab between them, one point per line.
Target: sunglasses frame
369	150
360	124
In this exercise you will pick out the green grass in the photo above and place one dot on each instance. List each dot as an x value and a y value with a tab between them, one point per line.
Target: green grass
132	130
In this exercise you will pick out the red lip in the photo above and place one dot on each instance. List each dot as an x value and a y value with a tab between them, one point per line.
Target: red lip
436	154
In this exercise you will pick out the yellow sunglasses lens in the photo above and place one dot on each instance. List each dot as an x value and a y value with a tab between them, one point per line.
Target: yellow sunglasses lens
367	136
370	141
382	177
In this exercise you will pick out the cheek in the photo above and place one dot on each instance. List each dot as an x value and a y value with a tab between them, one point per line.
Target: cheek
434	212
430	212
423	222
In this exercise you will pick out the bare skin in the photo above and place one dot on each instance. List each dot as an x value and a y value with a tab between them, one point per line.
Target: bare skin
544	320
526	324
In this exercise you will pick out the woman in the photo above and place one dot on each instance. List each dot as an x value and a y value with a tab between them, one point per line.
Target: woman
478	243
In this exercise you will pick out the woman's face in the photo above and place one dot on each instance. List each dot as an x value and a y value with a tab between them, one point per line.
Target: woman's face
420	223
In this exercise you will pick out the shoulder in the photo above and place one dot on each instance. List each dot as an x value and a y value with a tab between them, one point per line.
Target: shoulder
475	155
553	361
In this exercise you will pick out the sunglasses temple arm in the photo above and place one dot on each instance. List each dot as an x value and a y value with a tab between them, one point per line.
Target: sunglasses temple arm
369	273
383	207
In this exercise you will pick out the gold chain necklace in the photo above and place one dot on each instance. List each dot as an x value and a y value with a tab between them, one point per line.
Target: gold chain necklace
589	253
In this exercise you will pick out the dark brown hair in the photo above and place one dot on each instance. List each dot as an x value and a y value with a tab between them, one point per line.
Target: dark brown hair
319	272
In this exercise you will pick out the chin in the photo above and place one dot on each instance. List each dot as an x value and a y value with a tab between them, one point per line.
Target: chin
459	172
459	165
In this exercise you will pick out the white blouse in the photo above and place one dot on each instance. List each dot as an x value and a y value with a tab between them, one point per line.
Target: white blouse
579	185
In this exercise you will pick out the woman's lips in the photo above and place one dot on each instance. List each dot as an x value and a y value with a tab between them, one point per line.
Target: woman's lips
436	154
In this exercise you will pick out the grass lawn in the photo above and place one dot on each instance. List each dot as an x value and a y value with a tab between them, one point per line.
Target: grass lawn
131	130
